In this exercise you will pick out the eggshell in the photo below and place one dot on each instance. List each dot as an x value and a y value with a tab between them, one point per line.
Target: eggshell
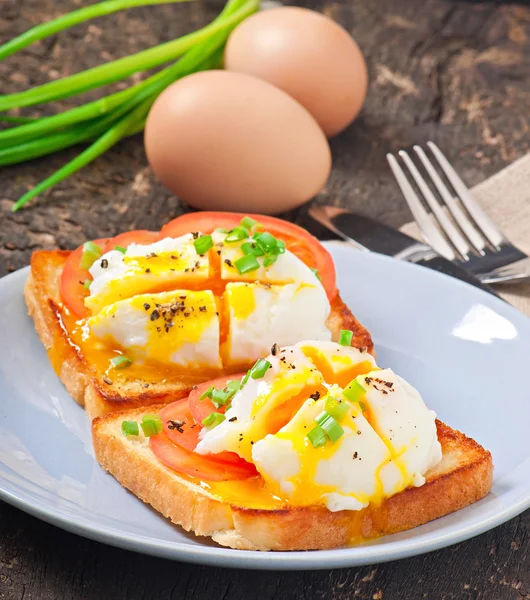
307	55
229	141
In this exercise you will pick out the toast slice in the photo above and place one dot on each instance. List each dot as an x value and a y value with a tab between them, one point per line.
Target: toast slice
98	394
462	477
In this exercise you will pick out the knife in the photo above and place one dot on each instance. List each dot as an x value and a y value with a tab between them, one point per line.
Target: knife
371	236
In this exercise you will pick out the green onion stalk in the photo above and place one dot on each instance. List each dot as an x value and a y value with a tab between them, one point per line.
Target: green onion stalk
104	122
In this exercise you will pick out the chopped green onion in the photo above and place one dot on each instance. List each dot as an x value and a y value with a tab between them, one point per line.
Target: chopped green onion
151	425
130	428
345	337
91	252
280	248
238	233
203	244
354	391
362	405
121	249
245	264
260	368
233	386
221	230
120	362
332	428
207	393
336	408
252	248
269	260
87	283
213	419
266	240
317	437
249	223
245	379
315	271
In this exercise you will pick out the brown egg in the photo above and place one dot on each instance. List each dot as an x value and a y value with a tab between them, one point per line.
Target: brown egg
307	55
229	141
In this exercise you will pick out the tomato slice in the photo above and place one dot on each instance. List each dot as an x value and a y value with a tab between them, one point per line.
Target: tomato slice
200	409
297	240
187	434
140	236
189	463
73	276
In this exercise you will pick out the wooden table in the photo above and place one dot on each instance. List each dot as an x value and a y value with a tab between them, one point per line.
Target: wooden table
454	72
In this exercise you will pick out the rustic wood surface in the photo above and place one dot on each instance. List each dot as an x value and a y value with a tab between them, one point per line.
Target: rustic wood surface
454	72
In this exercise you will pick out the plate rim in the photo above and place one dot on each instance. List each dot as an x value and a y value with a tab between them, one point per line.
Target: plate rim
297	560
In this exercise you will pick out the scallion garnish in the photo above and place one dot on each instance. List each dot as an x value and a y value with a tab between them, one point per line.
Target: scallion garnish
330	425
354	391
249	223
91	252
265	240
336	408
120	362
246	264
345	337
260	368
222	397
203	244
221	230
213	419
269	260
121	249
151	425
130	428
315	271
251	248
317	436
207	393
238	233
87	283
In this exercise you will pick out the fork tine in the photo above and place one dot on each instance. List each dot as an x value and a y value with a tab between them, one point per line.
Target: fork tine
429	231
483	222
447	227
465	224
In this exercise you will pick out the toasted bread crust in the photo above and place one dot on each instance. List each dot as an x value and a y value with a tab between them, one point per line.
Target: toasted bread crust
463	477
89	388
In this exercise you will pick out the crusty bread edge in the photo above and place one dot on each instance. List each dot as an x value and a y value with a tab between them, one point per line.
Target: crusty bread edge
304	528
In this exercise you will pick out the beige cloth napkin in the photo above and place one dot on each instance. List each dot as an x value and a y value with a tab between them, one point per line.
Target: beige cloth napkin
506	199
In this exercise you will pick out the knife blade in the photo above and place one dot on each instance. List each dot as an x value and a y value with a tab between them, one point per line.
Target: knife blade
370	236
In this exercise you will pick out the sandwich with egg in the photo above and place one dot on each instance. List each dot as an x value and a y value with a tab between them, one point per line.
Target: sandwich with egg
314	447
141	318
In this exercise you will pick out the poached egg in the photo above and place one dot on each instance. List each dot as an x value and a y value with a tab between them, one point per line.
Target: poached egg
388	439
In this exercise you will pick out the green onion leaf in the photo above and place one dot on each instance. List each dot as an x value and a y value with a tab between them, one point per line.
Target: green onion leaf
354	391
121	249
315	271
245	379
245	264
87	283
252	248
336	408
151	425
317	437
332	428
120	362
213	419
221	230
266	240
130	428
345	337
207	393
260	368
91	252
238	233
269	260
203	244
249	223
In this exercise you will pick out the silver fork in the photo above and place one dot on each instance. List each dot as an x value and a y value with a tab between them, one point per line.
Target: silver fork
470	238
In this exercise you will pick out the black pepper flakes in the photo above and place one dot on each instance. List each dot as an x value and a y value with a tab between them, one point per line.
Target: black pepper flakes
107	380
228	262
232	420
195	234
202	308
315	396
155	315
147	306
175	424
104	263
275	349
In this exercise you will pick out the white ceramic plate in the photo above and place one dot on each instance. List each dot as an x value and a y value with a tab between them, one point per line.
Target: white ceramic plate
466	351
